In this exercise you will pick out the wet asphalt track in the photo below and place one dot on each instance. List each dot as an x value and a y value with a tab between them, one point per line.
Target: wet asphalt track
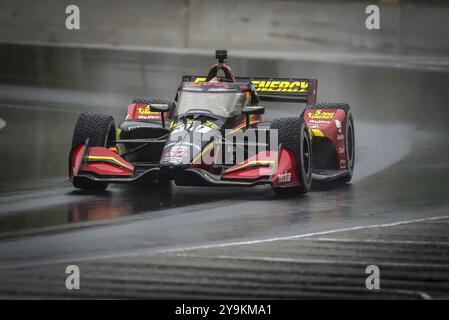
402	174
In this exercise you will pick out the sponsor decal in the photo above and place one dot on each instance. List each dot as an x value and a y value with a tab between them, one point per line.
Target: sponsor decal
340	137
179	151
322	125
175	124
280	86
130	128
341	150
177	129
321	115
273	85
146	113
338	125
285	177
173	160
210	124
200	79
176	153
318	122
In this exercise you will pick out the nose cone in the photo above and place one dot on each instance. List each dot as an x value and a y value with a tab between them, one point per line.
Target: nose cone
178	152
185	143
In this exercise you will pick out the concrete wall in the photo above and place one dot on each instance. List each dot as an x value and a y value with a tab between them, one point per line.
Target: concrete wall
286	25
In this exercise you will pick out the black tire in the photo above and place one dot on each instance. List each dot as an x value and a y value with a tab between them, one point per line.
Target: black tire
293	134
349	134
99	130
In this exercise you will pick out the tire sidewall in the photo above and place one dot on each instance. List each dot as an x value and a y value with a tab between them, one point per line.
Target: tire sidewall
111	130
305	177
350	159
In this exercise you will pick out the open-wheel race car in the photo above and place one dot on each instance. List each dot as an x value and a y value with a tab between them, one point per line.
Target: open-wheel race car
212	134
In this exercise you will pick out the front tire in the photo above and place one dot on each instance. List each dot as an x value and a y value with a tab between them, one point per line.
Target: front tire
294	135
99	130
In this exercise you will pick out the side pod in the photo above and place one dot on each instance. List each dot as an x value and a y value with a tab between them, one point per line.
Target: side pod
327	128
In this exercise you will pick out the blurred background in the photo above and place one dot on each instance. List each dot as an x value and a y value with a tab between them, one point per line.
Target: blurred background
396	80
297	26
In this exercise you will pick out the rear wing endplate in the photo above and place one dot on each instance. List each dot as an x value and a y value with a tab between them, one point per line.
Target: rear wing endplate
275	89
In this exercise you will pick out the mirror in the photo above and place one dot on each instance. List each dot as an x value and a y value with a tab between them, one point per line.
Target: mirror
249	110
253	110
161	107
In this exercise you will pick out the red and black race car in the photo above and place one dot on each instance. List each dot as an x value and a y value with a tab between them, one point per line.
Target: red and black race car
212	134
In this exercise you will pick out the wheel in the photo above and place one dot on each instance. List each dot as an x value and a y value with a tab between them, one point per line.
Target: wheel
97	127
100	130
293	134
349	135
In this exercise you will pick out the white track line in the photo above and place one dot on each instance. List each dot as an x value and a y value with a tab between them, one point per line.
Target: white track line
2	123
304	235
219	245
430	243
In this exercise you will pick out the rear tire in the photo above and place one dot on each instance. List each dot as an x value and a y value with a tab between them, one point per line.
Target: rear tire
99	130
294	135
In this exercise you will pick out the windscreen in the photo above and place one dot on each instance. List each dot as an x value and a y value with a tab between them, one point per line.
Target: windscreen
220	102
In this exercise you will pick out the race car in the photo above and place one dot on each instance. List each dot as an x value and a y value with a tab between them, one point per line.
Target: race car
212	134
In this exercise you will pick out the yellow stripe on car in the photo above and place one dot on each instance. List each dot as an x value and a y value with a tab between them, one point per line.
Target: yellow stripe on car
317	132
109	159
252	164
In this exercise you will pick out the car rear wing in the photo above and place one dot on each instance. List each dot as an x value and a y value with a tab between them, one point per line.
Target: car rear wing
275	89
